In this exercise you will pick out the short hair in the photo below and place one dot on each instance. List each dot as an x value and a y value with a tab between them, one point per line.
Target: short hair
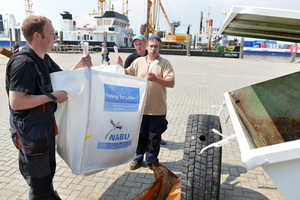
154	37
32	24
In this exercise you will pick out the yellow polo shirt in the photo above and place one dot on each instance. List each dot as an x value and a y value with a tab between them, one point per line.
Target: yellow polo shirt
156	97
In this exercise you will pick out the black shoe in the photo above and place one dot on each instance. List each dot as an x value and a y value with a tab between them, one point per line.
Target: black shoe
54	196
162	142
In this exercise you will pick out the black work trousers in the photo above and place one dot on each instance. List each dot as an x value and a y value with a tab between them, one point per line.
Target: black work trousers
149	138
38	171
37	164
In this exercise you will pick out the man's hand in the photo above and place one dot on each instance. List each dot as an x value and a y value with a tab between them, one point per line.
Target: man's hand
84	61
151	77
119	61
61	96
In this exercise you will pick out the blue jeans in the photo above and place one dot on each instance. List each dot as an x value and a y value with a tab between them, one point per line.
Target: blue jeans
149	139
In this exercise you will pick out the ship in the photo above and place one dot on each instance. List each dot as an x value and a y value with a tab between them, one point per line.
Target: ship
203	39
111	28
10	24
270	50
209	36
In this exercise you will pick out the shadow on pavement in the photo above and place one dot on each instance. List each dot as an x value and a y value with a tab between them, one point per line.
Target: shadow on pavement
229	190
173	145
175	166
128	186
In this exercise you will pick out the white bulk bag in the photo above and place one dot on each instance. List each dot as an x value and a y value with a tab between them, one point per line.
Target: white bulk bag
98	126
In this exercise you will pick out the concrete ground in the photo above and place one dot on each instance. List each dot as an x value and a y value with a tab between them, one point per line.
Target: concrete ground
200	84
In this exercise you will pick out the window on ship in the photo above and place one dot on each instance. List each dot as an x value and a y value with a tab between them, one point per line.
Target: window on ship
107	22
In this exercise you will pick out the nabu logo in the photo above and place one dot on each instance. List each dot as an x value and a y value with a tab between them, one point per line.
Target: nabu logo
117	132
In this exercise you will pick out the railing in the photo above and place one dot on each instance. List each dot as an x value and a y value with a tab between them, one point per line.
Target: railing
65	48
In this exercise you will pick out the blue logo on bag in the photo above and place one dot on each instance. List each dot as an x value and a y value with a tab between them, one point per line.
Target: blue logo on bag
118	137
121	99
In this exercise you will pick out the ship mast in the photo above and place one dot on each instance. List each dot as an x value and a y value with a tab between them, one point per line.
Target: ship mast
127	8
101	5
28	7
125	12
207	21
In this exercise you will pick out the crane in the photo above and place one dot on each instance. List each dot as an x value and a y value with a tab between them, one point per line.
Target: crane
151	22
171	38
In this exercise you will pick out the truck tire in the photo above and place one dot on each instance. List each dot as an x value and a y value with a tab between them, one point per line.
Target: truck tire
201	173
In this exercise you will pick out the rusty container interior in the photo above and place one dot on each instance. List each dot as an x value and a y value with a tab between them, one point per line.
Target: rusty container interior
270	111
6	52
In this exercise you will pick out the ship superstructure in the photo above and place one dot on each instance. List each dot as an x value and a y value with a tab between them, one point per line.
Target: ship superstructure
111	28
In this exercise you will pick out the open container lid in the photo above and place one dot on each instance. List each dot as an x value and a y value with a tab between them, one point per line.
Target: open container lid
264	23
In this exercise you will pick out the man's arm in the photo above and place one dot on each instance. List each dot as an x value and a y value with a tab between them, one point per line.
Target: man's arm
22	100
166	82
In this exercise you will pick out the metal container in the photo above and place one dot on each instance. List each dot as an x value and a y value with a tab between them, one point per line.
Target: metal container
266	120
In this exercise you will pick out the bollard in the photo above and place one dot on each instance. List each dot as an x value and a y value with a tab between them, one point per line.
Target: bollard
10	37
188	46
61	37
241	48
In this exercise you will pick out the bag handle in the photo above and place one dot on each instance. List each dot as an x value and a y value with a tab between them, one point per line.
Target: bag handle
154	62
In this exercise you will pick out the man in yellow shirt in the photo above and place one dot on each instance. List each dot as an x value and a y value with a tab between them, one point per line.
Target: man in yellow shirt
161	77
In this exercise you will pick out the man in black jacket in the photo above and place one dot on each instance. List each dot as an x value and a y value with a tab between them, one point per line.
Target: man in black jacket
32	104
139	43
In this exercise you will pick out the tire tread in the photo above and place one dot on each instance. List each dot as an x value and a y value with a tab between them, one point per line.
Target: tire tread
201	173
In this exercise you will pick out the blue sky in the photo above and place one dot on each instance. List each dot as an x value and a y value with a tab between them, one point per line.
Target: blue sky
187	11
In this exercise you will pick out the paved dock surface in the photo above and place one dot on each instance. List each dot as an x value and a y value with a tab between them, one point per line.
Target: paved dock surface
200	84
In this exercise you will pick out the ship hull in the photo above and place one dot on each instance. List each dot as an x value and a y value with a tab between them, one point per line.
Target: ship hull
7	43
